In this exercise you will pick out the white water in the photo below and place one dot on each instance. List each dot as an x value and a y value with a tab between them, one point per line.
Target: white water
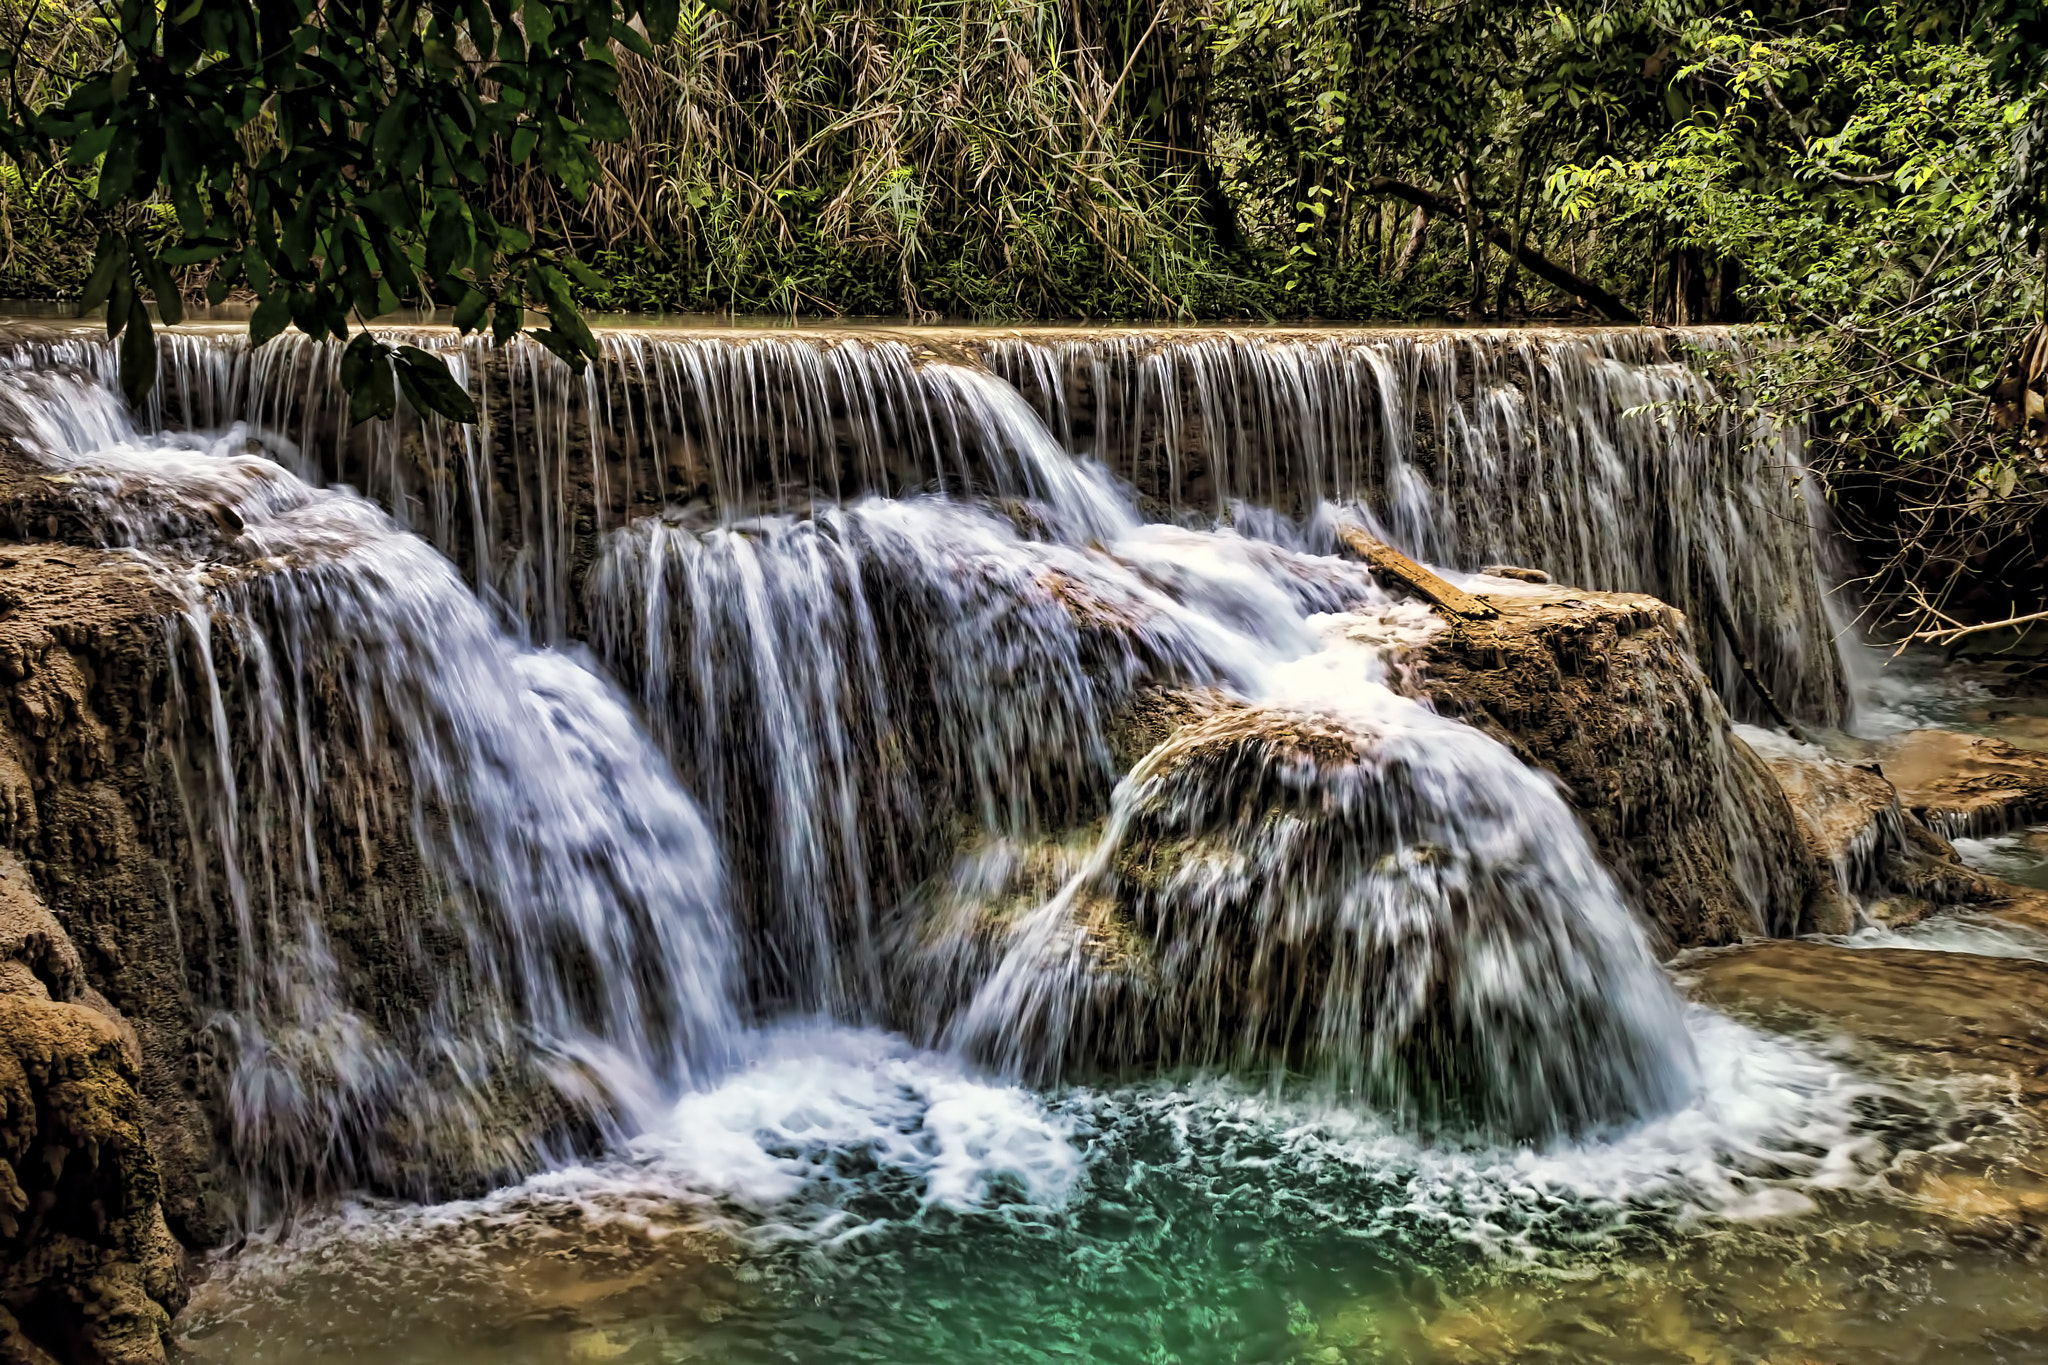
1478	945
844	1142
327	665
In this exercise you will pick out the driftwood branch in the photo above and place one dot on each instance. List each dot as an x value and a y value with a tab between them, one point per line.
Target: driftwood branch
1534	261
1389	562
1949	634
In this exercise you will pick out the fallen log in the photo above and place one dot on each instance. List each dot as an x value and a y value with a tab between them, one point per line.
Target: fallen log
1388	562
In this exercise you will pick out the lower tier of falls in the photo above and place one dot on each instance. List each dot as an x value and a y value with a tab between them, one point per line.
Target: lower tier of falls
486	816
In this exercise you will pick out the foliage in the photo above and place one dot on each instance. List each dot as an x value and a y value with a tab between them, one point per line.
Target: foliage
1866	182
331	156
1856	180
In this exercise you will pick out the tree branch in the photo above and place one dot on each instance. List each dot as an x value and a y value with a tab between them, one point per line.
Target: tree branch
1950	634
1533	260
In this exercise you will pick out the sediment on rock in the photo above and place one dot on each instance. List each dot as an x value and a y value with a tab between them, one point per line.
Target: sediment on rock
82	803
1604	691
1888	866
89	1272
1966	786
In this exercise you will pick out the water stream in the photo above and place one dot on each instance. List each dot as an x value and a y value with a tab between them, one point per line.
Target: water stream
673	873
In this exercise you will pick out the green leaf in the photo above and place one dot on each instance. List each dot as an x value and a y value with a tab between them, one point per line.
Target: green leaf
449	237
547	282
661	17
109	262
391	126
585	276
120	301
429	387
118	171
563	347
373	394
506	320
632	39
470	312
170	304
362	351
193	252
271	317
88	146
138	353
540	24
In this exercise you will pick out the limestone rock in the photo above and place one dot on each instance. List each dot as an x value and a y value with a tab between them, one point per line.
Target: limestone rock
88	1270
1917	1013
1884	859
1604	691
1967	785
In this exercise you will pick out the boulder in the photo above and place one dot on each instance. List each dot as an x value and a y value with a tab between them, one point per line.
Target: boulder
1361	897
1604	691
89	1271
1887	864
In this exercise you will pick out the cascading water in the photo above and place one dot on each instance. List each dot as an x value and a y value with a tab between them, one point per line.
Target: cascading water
340	704
1185	919
1396	902
1601	456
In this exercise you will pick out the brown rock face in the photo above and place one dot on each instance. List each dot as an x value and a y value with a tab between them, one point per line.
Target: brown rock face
1881	854
1967	785
1922	1013
81	663
1604	691
88	1269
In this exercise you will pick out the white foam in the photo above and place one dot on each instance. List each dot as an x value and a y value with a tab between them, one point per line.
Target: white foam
832	1133
776	1133
1974	936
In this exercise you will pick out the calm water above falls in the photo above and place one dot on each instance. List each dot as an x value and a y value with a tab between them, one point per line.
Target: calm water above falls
658	941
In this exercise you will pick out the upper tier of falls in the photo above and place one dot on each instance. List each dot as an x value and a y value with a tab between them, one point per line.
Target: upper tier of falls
832	713
1599	456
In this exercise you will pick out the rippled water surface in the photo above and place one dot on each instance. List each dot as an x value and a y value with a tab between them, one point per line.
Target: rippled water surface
844	1197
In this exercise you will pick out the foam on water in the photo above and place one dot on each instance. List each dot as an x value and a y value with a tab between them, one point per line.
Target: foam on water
775	1138
1977	936
834	1139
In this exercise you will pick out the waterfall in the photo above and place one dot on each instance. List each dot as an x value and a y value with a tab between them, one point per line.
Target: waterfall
1604	457
862	698
907	712
453	905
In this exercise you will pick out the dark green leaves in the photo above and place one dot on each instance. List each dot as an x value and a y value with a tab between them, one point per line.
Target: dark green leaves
375	372
333	159
138	352
110	264
429	387
366	374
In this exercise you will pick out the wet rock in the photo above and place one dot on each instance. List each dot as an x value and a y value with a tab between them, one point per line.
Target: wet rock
1603	690
89	1272
1925	1014
1885	861
83	803
1967	785
1515	573
1320	893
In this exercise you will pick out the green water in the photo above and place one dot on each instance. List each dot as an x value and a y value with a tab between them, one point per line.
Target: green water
1785	1218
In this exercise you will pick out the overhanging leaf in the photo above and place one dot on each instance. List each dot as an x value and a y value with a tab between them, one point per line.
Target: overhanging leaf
138	353
429	387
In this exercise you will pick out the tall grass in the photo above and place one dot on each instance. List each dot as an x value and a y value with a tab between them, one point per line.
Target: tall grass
914	156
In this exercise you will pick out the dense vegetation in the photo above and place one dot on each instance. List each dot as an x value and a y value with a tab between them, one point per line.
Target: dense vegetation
1862	180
